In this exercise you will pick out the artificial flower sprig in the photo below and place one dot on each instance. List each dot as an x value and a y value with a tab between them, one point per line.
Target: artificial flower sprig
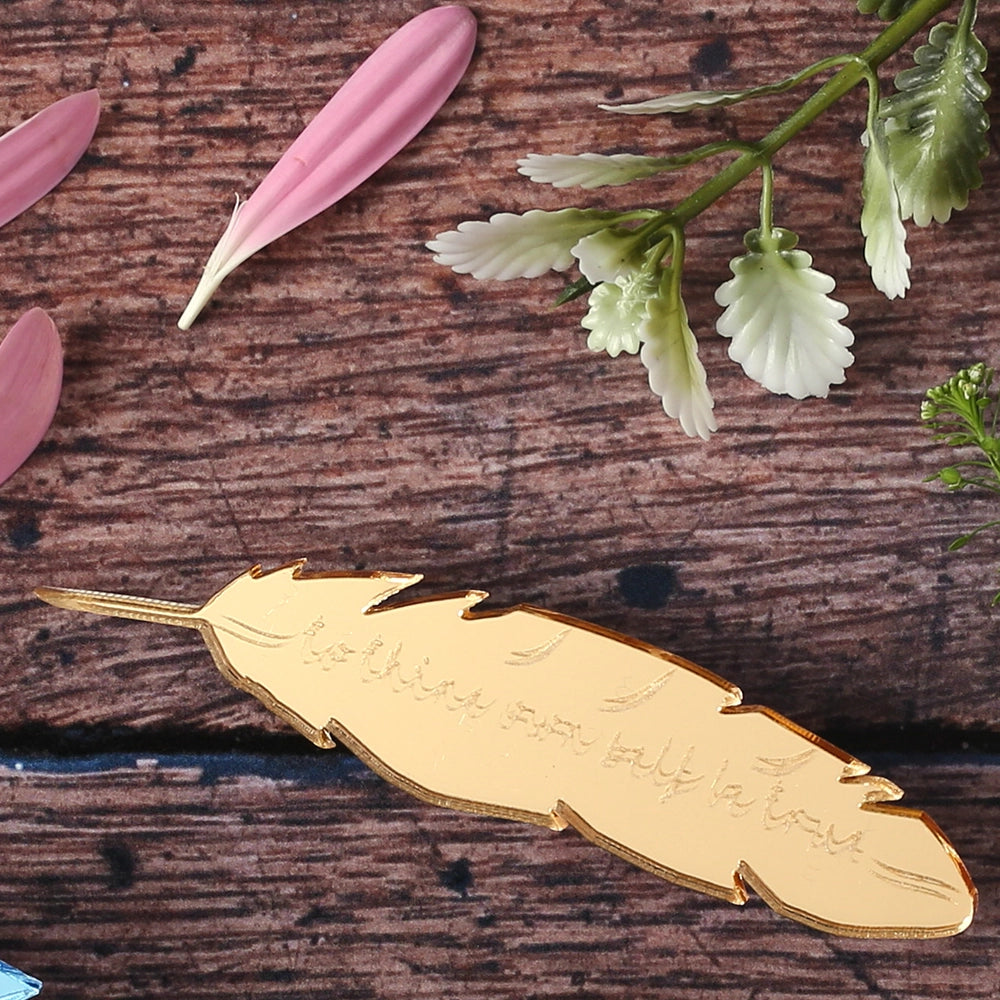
964	413
921	149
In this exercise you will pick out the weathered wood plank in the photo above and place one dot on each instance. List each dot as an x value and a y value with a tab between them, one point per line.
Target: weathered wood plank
347	400
196	878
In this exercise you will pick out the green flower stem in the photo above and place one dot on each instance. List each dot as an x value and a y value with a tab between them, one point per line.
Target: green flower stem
712	149
873	100
967	17
767	206
805	74
647	214
676	261
897	34
960	543
673	240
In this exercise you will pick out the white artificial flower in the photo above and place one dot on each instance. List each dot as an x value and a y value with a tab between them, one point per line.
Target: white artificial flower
607	255
784	328
591	170
517	246
670	354
881	223
616	313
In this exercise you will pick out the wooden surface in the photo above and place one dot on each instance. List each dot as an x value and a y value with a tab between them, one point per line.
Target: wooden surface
347	400
214	879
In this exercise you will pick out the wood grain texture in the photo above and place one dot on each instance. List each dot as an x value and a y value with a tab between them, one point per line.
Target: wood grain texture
346	399
174	879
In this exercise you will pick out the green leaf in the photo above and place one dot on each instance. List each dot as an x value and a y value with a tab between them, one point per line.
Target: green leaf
670	354
518	246
574	290
963	540
887	10
935	126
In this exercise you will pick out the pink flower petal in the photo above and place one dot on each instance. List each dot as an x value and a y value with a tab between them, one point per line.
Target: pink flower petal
31	369
37	154
385	103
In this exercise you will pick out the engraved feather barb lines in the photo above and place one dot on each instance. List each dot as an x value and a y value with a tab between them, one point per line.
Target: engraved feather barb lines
636	698
529	657
781	766
521	713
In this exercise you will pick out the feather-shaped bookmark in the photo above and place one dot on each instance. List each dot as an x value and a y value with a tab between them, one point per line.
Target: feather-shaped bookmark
31	369
37	154
382	106
534	716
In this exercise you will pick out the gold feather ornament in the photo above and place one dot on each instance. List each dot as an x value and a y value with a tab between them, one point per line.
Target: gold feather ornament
535	716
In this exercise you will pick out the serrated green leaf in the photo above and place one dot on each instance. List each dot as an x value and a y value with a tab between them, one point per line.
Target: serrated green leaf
935	125
670	354
518	246
887	10
784	327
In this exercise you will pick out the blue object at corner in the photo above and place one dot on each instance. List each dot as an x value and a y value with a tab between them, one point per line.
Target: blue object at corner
15	985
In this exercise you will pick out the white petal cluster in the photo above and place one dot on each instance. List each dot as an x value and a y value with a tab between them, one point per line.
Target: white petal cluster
517	246
591	170
616	313
676	374
881	221
785	329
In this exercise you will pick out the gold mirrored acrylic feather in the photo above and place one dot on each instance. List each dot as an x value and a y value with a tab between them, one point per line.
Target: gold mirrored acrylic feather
535	716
